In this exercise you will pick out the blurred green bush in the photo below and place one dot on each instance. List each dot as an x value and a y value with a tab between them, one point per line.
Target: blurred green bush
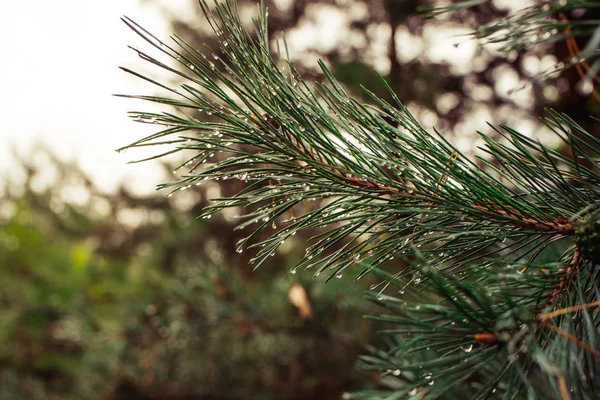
118	296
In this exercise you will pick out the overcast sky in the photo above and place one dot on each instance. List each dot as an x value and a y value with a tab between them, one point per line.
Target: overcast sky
58	69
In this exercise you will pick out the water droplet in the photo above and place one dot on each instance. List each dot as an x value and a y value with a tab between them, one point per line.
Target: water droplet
273	225
585	87
397	372
192	67
379	298
413	392
293	271
339	275
467	349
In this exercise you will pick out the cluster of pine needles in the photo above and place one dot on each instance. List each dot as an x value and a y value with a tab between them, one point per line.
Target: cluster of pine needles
488	265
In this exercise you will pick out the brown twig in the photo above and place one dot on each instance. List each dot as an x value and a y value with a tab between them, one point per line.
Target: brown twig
571	338
561	225
574	50
564	391
316	157
568	274
568	310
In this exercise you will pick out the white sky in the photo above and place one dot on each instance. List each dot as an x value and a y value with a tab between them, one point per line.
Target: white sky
58	69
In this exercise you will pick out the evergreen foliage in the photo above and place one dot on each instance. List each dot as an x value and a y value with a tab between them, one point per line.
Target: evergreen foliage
494	259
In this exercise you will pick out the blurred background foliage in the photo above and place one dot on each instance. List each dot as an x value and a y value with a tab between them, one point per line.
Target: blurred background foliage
122	296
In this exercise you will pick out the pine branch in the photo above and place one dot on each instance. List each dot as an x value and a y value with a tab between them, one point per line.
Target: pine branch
485	253
544	23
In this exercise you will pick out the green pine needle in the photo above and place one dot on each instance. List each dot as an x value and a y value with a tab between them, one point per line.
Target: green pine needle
483	252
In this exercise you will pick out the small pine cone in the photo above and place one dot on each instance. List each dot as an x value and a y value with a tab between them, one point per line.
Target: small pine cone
587	237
